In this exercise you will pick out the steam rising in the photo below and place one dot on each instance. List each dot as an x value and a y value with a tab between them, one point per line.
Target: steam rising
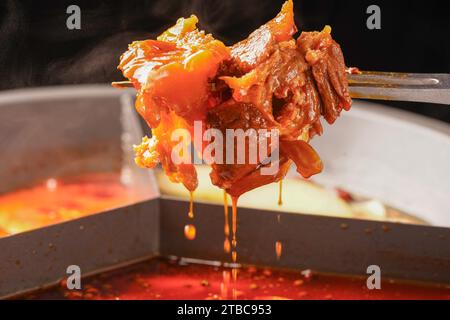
37	48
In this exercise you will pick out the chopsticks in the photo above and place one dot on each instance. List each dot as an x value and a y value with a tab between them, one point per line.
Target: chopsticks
417	87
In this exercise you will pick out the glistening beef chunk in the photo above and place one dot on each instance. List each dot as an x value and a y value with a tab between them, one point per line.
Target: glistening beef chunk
283	89
249	53
275	79
325	57
236	177
268	81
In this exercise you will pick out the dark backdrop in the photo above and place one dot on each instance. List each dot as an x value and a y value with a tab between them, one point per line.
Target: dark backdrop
37	49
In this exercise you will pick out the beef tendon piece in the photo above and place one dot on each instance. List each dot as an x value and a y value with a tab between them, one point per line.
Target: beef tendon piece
325	57
235	177
248	53
305	157
282	88
269	81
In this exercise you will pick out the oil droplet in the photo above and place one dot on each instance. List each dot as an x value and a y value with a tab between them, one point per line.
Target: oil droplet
191	205
226	245
190	231
278	249
280	193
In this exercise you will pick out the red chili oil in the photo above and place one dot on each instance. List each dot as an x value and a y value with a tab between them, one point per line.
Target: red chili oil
175	279
57	200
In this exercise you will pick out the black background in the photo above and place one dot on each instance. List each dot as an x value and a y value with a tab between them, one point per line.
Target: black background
37	49
154	309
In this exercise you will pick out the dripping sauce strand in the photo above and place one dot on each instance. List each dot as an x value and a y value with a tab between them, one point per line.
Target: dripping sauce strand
191	205
278	244
226	247
234	201
190	233
234	271
278	249
225	284
280	193
230	247
226	243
